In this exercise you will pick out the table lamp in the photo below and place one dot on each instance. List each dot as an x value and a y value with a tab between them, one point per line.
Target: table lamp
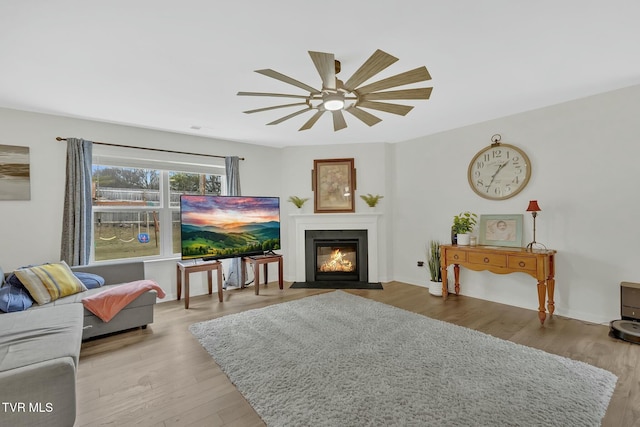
534	209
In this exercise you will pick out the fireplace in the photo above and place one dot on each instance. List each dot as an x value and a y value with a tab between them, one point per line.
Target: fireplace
336	255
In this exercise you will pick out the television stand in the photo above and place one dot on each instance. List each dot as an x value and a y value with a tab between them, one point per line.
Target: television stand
264	260
188	268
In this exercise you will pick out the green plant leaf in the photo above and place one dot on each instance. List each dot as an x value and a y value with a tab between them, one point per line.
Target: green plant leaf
370	199
464	222
298	201
433	260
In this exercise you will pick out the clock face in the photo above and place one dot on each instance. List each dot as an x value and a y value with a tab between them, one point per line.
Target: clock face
499	171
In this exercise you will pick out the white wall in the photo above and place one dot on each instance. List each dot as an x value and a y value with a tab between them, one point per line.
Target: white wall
373	175
585	176
584	155
30	230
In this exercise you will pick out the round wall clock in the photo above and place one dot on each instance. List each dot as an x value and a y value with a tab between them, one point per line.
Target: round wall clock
499	171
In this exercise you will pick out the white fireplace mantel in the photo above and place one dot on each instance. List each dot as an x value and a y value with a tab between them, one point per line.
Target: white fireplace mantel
348	221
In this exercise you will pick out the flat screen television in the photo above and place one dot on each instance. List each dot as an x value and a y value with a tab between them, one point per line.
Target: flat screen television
216	227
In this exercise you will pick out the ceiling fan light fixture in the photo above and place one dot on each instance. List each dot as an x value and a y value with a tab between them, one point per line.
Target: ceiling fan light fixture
355	96
333	101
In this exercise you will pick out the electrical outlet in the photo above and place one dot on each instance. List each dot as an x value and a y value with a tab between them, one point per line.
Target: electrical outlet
420	263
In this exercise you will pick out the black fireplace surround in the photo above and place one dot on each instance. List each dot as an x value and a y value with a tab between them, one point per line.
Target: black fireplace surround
357	239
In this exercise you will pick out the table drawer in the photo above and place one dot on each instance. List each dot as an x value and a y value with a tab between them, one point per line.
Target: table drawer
456	256
495	260
522	263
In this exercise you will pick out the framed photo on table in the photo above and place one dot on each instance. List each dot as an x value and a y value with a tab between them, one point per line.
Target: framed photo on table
333	182
501	230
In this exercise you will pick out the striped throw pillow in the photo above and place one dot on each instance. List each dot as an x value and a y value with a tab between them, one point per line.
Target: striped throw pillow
48	282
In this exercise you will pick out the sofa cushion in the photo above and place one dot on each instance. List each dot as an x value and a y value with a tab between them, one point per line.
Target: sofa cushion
108	303
14	298
33	336
148	298
89	280
49	384
11	279
48	282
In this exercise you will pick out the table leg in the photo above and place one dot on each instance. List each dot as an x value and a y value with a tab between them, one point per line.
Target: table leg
443	274
186	289
256	276
179	282
280	268
456	274
219	269
266	272
542	294
551	284
243	275
209	278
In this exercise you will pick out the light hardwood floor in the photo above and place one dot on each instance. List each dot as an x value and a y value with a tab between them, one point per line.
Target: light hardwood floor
161	376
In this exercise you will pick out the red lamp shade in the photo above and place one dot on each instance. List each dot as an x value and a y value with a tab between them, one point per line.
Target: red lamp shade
533	206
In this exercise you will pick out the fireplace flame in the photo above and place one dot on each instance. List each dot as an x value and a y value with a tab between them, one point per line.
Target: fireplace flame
337	262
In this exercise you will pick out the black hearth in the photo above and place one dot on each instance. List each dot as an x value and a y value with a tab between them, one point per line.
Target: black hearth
336	255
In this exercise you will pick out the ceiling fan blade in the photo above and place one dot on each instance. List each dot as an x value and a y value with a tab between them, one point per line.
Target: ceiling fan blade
312	121
400	110
282	119
258	110
326	65
372	66
278	76
338	120
281	95
419	74
422	93
366	117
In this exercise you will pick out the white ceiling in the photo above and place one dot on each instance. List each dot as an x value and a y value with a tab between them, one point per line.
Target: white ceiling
173	65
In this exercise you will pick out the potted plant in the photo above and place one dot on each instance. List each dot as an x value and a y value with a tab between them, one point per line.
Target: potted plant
462	227
433	260
298	201
371	200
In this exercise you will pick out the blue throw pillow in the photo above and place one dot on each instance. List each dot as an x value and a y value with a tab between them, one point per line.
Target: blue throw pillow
13	280
14	298
89	280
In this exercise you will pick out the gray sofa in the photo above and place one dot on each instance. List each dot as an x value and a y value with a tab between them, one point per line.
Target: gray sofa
138	313
40	348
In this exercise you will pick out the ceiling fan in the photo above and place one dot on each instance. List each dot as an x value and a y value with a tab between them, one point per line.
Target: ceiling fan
337	96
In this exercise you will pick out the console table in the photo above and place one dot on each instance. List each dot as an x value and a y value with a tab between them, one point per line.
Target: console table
187	268
538	263
264	260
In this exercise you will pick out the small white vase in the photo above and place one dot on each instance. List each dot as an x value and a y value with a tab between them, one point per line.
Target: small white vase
464	239
435	288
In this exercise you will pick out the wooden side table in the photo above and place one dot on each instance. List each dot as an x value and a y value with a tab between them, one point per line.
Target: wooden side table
188	268
256	262
538	263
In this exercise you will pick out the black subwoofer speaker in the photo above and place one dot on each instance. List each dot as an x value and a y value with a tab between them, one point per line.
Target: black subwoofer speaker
630	301
628	328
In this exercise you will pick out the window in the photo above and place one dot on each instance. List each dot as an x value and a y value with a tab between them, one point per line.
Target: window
136	210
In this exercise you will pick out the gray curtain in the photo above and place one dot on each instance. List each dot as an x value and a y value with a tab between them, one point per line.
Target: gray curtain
232	165
76	225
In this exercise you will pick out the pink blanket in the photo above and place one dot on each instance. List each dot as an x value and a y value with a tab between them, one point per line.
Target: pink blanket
108	303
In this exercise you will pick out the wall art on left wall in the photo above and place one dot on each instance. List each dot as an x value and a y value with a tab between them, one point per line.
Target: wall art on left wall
14	173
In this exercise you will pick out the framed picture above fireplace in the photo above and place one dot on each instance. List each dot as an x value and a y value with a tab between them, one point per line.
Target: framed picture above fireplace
333	182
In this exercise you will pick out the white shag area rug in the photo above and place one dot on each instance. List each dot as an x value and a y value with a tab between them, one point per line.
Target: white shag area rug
337	359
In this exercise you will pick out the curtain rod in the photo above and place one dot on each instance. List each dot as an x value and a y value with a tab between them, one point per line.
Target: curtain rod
58	138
